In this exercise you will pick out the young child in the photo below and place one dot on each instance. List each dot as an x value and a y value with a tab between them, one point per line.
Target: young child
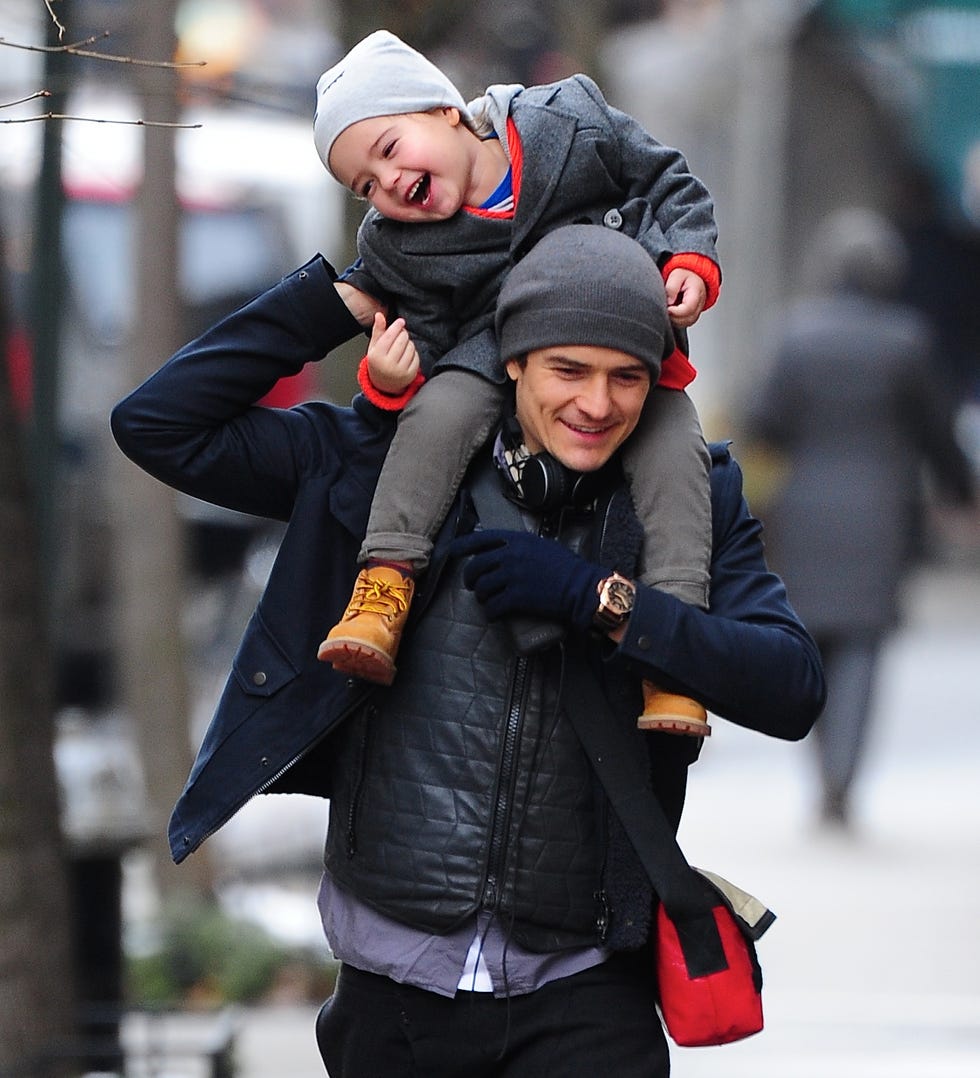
487	180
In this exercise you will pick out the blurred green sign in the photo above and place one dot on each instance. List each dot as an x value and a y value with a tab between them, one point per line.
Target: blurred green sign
938	44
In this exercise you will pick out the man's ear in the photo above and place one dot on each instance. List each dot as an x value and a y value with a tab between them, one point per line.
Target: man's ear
513	369
452	115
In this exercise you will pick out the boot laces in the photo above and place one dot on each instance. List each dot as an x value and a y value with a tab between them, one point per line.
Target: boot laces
379	597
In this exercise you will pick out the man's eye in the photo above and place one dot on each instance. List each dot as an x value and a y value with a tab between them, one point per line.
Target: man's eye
389	149
366	188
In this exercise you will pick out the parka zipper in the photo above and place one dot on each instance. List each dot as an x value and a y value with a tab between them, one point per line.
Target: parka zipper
272	779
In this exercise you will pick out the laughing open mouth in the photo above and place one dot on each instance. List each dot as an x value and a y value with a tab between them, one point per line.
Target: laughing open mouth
420	191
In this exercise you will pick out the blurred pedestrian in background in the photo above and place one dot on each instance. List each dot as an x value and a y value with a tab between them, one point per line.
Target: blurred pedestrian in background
856	407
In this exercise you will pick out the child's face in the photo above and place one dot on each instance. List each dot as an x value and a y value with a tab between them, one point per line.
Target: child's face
415	168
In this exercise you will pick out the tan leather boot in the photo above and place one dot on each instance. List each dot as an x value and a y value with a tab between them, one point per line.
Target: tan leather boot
671	713
365	640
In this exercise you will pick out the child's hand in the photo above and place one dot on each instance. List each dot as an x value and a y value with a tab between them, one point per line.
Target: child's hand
361	305
392	361
686	296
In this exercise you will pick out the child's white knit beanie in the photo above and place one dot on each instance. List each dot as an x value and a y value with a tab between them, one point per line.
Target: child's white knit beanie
380	76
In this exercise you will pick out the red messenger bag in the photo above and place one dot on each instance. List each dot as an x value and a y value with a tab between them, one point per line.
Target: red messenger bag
713	1005
708	973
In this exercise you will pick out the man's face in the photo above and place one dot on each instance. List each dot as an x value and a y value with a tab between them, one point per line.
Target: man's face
414	168
579	402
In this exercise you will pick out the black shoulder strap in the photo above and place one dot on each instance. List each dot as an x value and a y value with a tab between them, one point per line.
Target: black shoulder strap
493	508
685	894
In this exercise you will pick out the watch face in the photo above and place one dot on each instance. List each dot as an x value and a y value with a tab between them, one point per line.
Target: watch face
618	596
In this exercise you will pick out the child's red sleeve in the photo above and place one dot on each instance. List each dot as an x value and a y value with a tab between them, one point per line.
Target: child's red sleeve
704	267
386	401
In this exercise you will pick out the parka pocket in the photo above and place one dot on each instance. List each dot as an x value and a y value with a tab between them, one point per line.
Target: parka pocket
261	667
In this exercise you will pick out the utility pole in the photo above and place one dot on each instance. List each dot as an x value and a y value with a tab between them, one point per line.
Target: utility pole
149	532
47	295
38	1014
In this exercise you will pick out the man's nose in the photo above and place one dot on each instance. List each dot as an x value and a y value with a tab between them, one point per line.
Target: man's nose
594	399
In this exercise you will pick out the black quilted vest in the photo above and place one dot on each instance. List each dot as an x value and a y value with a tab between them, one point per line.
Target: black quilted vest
463	787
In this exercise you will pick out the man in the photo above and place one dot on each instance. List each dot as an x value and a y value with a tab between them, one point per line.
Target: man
489	913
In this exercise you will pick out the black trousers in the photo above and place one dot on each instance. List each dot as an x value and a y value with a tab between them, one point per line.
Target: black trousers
601	1021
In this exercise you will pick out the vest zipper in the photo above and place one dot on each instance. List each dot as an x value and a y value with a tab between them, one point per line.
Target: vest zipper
506	774
371	713
505	786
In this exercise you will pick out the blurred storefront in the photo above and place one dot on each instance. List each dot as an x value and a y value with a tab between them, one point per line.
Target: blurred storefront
925	59
921	60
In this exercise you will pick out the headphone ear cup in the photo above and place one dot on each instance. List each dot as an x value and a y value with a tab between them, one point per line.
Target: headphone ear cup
545	483
585	488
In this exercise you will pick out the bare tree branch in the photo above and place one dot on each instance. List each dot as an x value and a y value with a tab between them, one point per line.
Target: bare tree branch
90	119
55	48
55	19
79	49
85	119
23	100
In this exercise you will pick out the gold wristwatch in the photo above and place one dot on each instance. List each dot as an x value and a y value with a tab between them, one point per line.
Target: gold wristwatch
616	598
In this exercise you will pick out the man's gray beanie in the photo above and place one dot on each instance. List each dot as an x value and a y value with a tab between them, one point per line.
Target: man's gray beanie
585	285
380	76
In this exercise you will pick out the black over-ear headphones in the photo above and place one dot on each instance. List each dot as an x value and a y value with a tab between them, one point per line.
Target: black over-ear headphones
545	483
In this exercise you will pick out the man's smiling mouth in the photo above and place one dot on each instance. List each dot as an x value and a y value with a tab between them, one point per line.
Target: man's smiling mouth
579	429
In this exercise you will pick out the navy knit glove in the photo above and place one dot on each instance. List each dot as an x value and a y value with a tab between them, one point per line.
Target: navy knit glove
519	573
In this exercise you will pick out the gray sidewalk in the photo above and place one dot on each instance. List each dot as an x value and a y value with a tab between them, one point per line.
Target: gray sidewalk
872	965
